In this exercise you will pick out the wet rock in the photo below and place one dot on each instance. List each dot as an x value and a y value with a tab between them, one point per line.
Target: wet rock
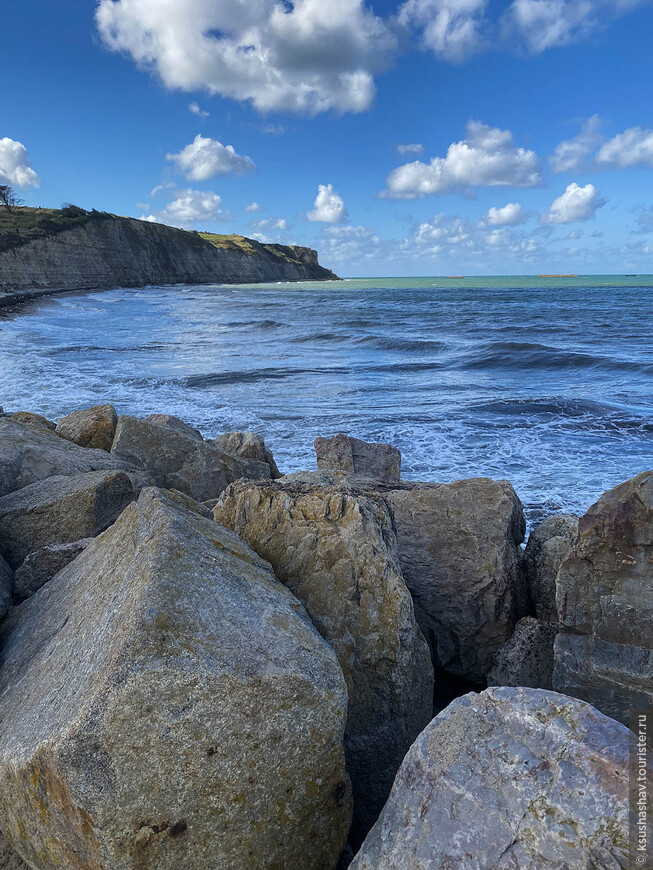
176	424
334	547
460	557
166	703
6	587
61	510
380	462
27	418
90	427
29	454
247	445
548	545
177	460
605	603
526	659
41	566
511	778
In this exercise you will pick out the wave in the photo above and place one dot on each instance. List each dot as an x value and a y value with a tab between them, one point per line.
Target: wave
526	355
414	345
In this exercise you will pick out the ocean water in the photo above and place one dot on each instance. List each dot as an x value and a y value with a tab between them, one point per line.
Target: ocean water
545	382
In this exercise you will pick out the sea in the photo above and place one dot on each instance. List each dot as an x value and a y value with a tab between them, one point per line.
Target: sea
547	382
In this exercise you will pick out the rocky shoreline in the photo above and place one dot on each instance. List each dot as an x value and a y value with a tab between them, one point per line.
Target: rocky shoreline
208	664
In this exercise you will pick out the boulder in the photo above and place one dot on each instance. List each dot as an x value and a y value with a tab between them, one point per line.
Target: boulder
511	778
176	424
9	859
189	503
91	427
176	460
548	545
41	566
27	418
461	559
526	659
6	587
335	548
380	462
247	445
61	510
605	603
166	703
29	454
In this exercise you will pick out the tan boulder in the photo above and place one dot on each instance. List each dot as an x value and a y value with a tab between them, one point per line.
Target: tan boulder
166	703
176	424
380	462
510	779
90	427
335	548
605	603
28	418
247	445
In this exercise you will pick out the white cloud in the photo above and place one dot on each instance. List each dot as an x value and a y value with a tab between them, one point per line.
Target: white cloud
509	215
189	208
451	29
205	157
271	224
414	148
156	190
195	110
352	244
253	206
15	166
307	57
633	147
486	157
329	206
571	155
575	204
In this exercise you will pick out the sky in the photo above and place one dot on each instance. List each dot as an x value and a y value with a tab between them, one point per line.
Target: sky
419	137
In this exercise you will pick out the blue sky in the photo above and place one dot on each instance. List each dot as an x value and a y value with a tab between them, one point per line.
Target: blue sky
531	120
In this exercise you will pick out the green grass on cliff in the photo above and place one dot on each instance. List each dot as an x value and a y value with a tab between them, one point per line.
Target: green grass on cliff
250	247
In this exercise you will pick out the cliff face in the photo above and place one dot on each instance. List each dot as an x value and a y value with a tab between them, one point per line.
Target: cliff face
109	251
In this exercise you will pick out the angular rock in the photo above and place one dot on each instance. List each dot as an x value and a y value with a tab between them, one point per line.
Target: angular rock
605	603
548	545
334	547
41	566
91	427
27	418
61	510
512	778
29	454
248	445
176	460
526	659
6	587
460	557
176	424
189	503
380	462
166	703
9	859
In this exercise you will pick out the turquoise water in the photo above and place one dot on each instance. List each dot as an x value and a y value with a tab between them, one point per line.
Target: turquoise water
547	382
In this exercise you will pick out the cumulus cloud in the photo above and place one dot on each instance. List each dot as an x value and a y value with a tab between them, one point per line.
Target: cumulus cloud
414	148
188	209
15	166
572	155
487	157
271	224
509	215
451	29
329	206
633	147
307	56
353	244
203	158
253	206
194	109
575	204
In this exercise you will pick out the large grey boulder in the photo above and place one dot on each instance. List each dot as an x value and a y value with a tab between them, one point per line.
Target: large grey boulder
247	445
90	427
548	545
460	557
380	462
511	779
605	603
29	454
40	566
61	510
526	658
177	460
166	703
334	547
6	588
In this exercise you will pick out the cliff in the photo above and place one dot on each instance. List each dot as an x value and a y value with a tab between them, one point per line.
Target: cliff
47	250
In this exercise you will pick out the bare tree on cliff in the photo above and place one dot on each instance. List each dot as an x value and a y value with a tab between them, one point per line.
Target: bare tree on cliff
9	197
